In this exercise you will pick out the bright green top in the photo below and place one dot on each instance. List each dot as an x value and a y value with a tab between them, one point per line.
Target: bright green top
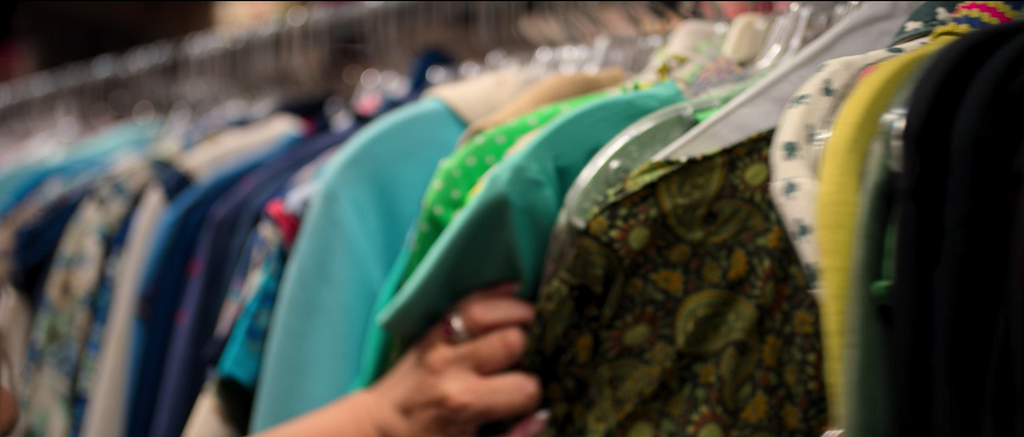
456	174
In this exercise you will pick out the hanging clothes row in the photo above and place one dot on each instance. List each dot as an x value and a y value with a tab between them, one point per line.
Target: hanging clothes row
779	223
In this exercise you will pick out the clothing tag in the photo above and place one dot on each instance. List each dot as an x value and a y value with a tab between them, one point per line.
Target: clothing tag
296	199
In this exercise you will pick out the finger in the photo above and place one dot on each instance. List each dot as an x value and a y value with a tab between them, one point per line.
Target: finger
503	289
483	315
530	426
437	332
505	396
495	351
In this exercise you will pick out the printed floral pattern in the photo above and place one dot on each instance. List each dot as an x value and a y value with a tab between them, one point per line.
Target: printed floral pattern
243	353
685	313
64	330
94	341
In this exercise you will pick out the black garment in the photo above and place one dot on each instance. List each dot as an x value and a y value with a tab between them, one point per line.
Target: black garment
971	350
921	407
236	400
1016	298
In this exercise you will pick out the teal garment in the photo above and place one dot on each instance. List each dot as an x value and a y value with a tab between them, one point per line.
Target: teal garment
98	149
378	341
502	234
351	234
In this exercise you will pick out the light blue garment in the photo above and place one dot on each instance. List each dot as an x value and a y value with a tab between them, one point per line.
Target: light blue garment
502	234
378	341
351	233
99	149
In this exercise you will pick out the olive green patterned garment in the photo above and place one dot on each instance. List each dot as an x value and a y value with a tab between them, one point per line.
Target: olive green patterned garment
682	311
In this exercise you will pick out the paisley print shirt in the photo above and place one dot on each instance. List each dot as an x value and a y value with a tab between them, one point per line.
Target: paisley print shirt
683	310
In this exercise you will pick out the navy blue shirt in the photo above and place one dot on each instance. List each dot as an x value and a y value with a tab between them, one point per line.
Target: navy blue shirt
222	239
161	294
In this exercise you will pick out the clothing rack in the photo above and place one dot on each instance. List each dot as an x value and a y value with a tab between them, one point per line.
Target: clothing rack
299	55
710	224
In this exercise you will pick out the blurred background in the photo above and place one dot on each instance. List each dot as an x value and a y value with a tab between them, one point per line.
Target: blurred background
83	64
41	35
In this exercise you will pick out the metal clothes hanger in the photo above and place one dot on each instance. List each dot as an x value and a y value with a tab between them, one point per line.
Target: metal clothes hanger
893	122
864	28
589	32
626	43
486	34
377	40
556	27
542	29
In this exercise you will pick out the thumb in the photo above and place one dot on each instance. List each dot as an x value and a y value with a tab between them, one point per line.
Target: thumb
530	426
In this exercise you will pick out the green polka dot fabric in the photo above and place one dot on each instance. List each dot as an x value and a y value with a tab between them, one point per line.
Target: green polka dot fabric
458	173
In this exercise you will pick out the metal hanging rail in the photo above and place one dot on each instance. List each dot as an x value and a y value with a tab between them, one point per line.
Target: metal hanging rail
305	52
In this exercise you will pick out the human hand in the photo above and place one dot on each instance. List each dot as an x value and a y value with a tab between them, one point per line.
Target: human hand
8	411
442	388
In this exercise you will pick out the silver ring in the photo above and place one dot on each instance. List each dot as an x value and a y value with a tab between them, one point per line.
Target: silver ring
457	329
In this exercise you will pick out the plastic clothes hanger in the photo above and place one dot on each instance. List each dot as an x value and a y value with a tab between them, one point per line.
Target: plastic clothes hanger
683	44
791	31
894	121
746	28
644	138
895	114
866	28
626	152
782	25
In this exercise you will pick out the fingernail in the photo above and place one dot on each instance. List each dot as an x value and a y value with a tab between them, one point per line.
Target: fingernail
537	422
